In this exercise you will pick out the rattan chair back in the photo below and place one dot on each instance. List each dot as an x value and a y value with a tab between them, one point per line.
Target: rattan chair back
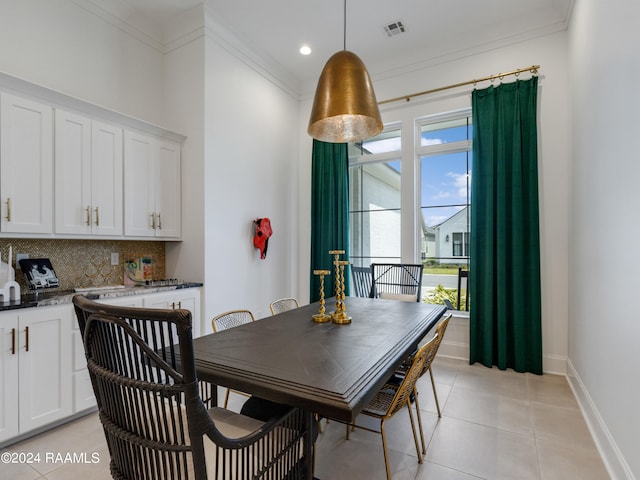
400	281
282	305
142	369
230	319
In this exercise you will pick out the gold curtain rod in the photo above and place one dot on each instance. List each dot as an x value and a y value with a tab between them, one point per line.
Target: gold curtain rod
533	69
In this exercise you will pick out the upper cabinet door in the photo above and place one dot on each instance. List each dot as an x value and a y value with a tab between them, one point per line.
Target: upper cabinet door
72	173
168	190
139	185
152	185
106	178
88	166
26	165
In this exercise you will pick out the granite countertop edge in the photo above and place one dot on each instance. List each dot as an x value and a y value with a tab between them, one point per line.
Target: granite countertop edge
30	300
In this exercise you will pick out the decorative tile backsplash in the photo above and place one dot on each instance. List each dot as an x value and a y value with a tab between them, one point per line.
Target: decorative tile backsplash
85	263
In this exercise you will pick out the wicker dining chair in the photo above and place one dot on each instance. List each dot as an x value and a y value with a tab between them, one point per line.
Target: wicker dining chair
393	397
224	321
282	305
397	281
156	424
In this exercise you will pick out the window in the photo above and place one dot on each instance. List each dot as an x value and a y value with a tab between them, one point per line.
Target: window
374	199
444	153
437	183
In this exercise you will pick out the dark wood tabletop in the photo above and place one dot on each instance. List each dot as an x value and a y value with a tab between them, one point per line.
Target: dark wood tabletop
332	370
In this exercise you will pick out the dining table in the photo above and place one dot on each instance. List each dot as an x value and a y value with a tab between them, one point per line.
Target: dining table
328	369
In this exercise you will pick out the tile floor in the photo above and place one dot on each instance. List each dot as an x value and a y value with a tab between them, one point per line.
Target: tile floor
495	425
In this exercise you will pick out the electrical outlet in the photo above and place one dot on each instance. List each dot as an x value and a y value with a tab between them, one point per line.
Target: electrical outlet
20	256
115	258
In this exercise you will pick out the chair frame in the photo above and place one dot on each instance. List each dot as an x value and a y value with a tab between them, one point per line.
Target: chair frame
142	369
216	328
441	328
397	278
228	314
283	304
401	398
361	281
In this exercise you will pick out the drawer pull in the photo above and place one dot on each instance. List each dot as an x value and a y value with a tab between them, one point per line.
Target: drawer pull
153	221
159	222
97	217
88	210
8	209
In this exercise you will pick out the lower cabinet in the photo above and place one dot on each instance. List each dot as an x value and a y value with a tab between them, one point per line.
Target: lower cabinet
43	370
35	364
188	298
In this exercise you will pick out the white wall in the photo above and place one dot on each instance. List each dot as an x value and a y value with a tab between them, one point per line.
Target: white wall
59	45
551	53
250	171
604	333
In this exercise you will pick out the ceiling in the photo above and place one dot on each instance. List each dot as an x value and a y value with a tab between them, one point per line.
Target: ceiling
436	30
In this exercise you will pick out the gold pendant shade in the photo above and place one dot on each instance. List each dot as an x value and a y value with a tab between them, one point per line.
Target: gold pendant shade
345	107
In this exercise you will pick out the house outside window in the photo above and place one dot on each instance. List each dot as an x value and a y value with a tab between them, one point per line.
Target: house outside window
375	199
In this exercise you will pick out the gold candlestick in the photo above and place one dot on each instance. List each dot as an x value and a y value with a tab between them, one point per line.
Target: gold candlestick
340	315
321	317
336	255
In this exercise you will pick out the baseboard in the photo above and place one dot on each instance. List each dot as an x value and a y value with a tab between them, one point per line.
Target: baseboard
611	456
454	350
554	364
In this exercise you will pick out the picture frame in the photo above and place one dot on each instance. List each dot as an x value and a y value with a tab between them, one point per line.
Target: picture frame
39	273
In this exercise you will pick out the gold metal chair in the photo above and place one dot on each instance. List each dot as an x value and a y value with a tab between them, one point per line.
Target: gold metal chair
439	335
230	319
391	398
282	305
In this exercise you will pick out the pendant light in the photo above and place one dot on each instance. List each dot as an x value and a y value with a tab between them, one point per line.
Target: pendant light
345	108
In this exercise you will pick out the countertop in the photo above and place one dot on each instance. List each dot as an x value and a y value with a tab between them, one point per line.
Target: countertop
59	297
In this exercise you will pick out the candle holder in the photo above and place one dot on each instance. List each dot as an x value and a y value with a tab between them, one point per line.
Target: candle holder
321	317
340	315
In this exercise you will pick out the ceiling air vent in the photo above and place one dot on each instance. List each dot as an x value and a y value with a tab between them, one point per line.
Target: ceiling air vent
395	28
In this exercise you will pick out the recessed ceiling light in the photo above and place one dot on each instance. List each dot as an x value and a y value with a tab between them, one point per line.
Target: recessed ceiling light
305	50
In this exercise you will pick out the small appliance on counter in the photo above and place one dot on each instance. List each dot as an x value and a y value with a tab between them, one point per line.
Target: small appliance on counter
9	288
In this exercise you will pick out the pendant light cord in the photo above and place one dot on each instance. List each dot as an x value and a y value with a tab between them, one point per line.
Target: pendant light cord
345	26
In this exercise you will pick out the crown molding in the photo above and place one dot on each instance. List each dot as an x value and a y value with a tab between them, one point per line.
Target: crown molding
259	61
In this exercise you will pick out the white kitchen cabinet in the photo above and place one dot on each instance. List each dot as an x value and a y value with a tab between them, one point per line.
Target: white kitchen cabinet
187	298
26	165
88	176
36	368
83	397
152	186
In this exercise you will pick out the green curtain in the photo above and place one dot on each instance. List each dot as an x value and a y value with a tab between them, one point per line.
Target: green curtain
329	212
504	277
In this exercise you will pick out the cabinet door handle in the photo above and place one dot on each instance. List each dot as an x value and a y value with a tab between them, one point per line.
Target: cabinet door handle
159	222
13	341
88	210
8	209
26	339
153	221
97	217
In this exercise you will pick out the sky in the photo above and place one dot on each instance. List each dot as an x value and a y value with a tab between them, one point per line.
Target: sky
443	177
